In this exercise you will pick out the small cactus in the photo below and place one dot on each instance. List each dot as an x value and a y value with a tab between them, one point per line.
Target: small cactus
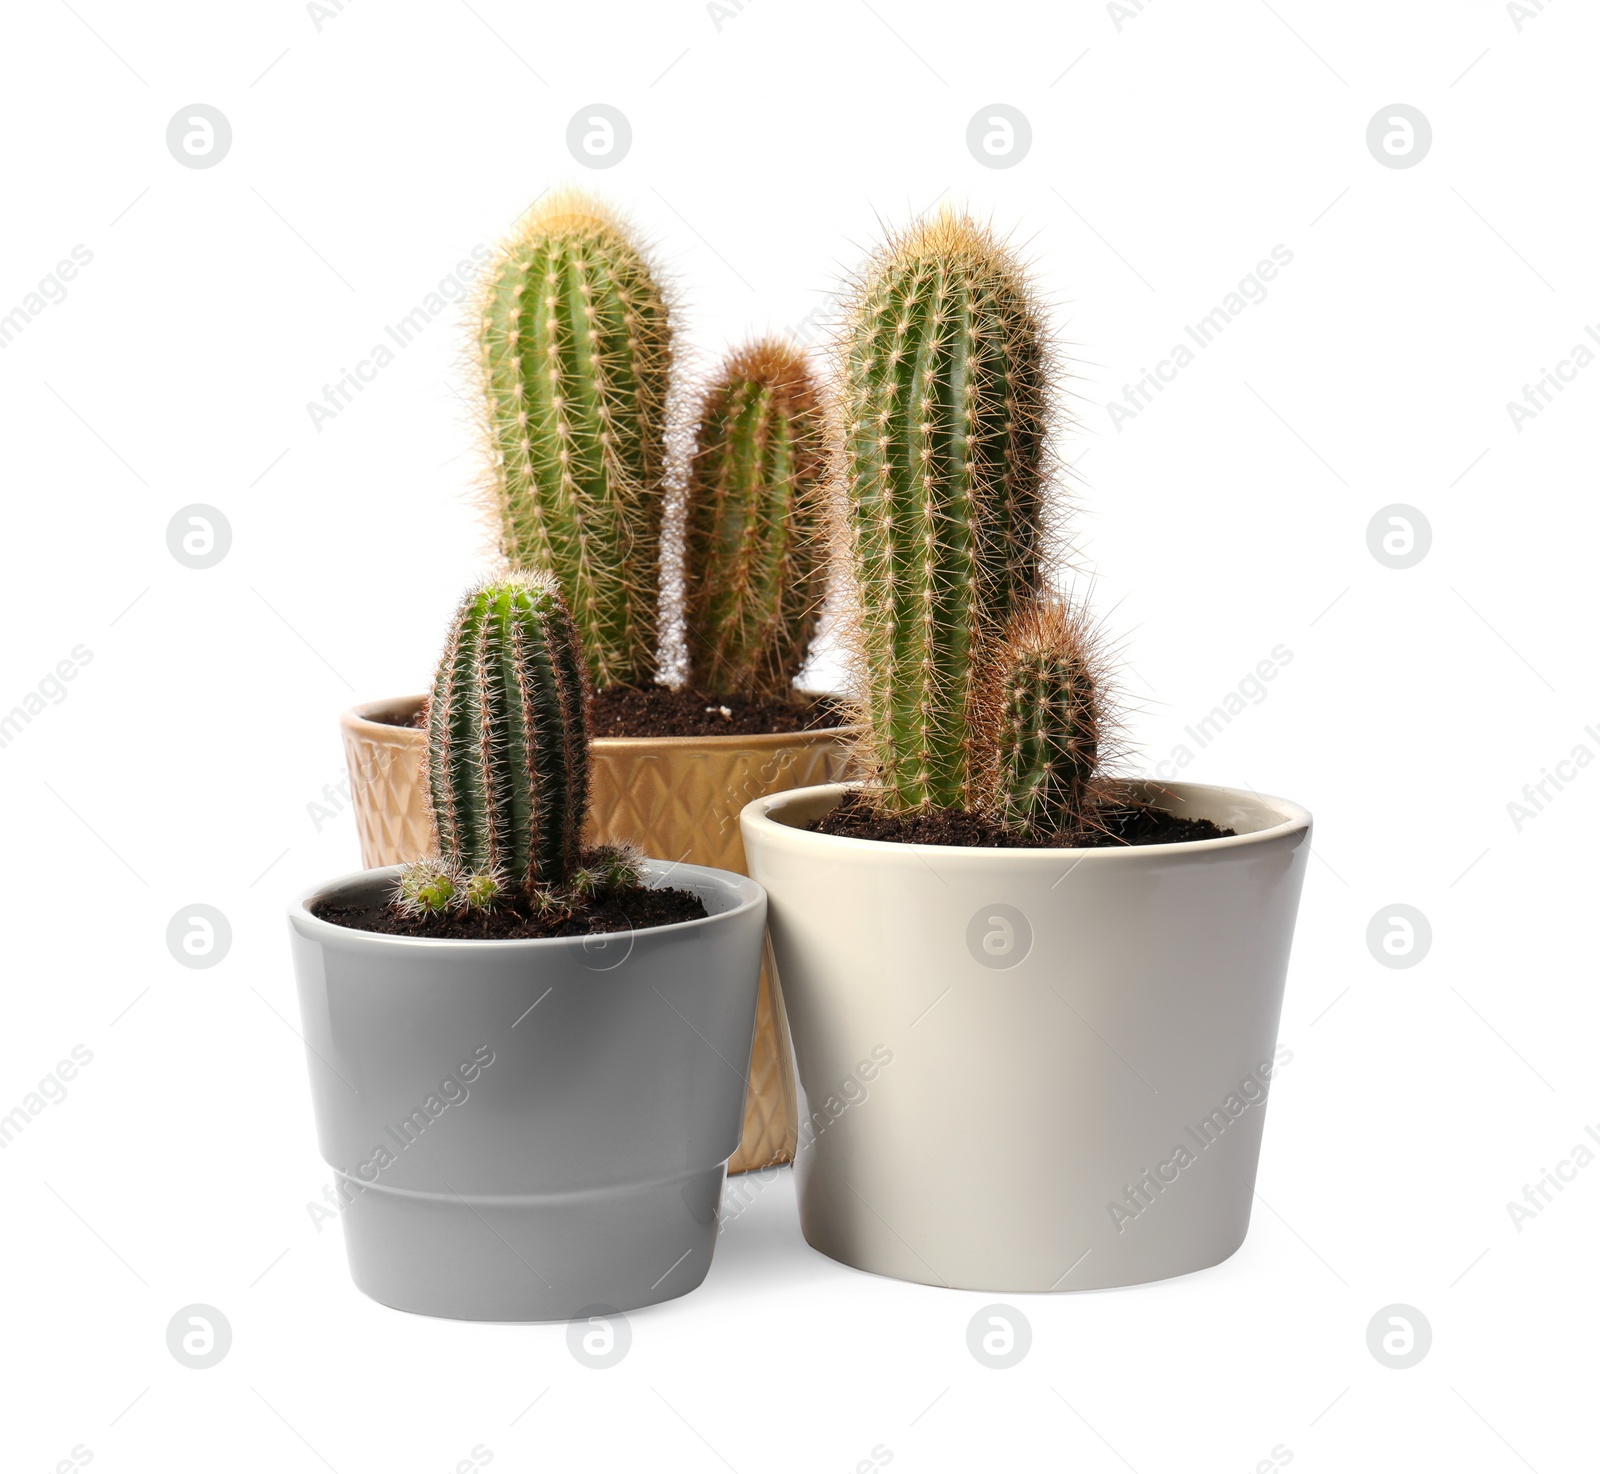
753	563
608	867
427	887
941	413
1042	705
482	890
507	766
575	348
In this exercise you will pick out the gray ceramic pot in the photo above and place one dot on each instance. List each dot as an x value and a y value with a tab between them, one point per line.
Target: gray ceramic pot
531	1130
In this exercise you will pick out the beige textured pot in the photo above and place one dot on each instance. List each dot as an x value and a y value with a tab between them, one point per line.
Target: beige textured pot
677	797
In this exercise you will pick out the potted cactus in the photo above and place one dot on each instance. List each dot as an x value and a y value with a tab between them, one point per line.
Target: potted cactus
575	347
1077	979
525	1053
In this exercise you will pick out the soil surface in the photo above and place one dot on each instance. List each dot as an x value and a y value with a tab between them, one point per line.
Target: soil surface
1110	826
658	711
630	910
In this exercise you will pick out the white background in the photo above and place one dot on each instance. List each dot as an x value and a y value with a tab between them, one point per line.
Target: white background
1169	156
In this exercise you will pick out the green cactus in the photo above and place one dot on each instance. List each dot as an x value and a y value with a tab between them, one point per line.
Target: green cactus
942	410
1042	708
429	885
753	560
575	345
507	765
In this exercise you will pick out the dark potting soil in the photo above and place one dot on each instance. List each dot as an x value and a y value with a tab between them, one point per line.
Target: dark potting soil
629	910
659	711
1111	825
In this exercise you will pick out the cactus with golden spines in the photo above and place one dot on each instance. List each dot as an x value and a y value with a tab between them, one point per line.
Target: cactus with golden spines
754	563
1041	710
575	348
942	408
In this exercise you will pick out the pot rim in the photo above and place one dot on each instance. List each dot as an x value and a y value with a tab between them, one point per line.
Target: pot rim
750	894
358	719
757	815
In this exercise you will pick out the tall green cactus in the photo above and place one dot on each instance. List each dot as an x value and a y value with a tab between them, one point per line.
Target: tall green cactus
753	560
575	344
1042	707
942	409
507	764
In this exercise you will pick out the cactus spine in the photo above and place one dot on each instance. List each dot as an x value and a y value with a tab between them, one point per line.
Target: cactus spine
942	409
575	345
753	568
507	752
1043	703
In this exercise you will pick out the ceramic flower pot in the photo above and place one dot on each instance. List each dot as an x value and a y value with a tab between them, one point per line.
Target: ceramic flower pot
527	1130
1031	1069
677	797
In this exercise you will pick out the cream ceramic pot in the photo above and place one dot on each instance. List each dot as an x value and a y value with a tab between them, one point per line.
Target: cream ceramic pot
1031	1069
